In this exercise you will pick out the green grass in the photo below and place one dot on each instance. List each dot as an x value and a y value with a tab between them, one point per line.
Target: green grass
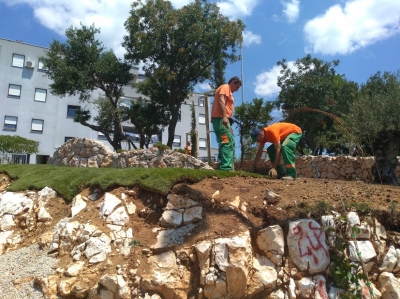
69	181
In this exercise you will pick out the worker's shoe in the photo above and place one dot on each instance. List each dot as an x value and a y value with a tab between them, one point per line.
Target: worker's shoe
281	171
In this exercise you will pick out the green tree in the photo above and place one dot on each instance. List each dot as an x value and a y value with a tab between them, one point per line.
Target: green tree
80	66
148	117
193	130
374	119
255	114
18	145
310	95
179	48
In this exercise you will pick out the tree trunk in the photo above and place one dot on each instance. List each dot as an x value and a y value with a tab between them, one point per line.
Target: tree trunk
386	148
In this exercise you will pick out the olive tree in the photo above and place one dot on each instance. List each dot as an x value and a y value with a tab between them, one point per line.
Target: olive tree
179	48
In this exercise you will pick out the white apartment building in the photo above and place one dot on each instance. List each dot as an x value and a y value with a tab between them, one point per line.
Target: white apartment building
29	110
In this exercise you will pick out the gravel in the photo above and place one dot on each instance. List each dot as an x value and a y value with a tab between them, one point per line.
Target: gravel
22	263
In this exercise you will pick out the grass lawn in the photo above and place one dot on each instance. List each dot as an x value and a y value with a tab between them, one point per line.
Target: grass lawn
69	181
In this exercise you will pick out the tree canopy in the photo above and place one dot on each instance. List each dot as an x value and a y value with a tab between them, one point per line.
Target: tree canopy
18	145
179	48
312	95
82	65
255	114
376	108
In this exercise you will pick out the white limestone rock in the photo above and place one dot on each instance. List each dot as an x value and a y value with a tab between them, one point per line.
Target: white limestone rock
307	247
271	241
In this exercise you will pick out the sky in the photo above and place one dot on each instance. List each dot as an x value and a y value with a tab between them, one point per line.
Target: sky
363	34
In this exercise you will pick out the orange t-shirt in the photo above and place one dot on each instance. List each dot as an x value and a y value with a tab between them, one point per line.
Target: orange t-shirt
279	131
229	102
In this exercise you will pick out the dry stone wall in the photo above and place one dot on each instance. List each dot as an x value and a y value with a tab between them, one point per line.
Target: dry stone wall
326	167
84	152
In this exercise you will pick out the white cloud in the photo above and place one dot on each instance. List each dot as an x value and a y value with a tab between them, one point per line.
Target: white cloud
109	16
343	30
235	9
291	10
250	38
59	15
266	82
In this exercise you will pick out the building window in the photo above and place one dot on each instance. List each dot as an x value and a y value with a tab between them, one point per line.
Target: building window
177	141
68	138
179	115
10	123
14	90
201	102
41	66
101	136
71	112
40	95
202	119
18	60
202	143
37	125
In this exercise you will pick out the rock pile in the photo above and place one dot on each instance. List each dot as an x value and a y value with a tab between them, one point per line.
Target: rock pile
240	266
84	152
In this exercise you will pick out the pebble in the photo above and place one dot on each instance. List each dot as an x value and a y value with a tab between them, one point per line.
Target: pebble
18	266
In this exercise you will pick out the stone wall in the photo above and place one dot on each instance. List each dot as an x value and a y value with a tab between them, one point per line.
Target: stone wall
84	152
325	167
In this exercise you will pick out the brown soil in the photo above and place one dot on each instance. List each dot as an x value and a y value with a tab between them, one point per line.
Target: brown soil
303	198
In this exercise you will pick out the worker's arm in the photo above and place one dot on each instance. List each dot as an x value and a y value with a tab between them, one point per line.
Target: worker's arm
258	156
278	151
222	106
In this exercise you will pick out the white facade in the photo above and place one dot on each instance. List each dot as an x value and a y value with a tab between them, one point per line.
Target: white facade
29	110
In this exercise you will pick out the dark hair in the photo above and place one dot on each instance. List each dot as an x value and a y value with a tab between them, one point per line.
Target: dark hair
235	80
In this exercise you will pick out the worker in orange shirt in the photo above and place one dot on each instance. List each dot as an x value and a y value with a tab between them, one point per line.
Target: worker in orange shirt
221	117
284	138
188	148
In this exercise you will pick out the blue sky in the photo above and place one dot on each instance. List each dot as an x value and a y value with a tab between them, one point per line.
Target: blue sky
363	34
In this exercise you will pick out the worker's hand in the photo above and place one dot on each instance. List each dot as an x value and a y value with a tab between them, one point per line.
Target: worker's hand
225	121
273	173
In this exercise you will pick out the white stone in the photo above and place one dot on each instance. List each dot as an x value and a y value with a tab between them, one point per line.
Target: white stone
305	287
43	215
271	195
353	218
171	218
46	193
193	214
365	249
389	261
380	230
264	276
78	204
118	217
3	240
74	269
108	205
7	222
397	267
307	247
271	241
96	246
131	208
390	286
292	289
320	287
123	288
110	282
235	203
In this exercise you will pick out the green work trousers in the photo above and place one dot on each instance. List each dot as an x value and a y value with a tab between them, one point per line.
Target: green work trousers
288	148
226	141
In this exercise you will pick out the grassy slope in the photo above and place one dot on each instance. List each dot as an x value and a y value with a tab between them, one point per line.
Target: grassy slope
69	181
